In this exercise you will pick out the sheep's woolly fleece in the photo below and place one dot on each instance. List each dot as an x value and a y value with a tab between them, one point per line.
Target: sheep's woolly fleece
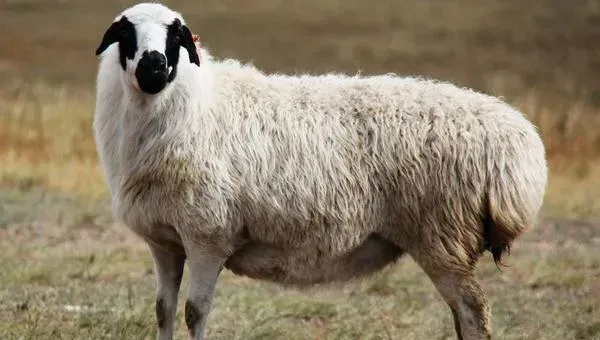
316	164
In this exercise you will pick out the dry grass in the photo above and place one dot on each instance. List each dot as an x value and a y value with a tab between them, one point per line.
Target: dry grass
67	271
46	139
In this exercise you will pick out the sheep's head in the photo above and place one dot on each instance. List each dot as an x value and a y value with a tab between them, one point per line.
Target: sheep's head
150	39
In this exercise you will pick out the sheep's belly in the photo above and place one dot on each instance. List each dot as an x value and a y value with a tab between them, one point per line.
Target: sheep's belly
308	266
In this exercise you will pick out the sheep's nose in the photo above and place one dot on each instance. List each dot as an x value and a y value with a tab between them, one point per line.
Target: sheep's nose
151	72
153	61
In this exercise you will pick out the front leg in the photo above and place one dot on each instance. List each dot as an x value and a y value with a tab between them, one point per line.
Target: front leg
204	267
169	270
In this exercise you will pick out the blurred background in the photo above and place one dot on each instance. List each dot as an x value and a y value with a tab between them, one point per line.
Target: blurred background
67	269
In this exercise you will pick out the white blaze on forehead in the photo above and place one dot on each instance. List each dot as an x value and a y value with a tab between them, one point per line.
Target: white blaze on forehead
151	37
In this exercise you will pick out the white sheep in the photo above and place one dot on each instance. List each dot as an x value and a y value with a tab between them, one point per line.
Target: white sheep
304	179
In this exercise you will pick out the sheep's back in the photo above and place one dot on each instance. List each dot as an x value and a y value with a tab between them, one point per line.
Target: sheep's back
332	159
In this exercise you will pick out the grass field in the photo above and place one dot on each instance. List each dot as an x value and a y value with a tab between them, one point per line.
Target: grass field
68	271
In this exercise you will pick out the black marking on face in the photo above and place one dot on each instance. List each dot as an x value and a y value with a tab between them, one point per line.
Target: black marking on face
127	41
174	38
123	32
178	36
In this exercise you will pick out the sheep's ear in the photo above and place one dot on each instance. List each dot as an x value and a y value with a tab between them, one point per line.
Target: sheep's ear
111	36
188	43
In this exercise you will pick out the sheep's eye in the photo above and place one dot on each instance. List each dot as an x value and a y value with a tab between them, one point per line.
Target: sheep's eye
124	34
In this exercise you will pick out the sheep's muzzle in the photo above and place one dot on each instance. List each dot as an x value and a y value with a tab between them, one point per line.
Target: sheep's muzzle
152	73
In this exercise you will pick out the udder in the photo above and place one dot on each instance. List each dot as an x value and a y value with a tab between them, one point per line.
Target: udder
309	266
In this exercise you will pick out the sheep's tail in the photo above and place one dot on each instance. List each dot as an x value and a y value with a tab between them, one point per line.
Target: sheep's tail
509	213
498	236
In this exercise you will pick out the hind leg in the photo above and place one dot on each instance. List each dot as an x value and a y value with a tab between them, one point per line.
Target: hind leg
469	305
457	285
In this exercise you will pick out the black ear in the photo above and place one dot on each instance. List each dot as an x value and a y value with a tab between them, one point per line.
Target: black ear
111	36
188	43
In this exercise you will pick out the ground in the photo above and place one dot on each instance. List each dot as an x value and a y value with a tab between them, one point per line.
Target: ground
69	271
83	276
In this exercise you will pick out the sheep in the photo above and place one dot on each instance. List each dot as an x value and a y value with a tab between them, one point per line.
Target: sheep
304	179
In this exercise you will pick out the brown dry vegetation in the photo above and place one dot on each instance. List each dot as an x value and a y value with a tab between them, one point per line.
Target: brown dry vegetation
60	248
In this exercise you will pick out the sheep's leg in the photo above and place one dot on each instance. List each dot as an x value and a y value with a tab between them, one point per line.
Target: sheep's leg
467	299
204	269
464	295
169	270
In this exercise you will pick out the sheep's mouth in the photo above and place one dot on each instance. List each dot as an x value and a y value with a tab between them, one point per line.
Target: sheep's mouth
152	84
